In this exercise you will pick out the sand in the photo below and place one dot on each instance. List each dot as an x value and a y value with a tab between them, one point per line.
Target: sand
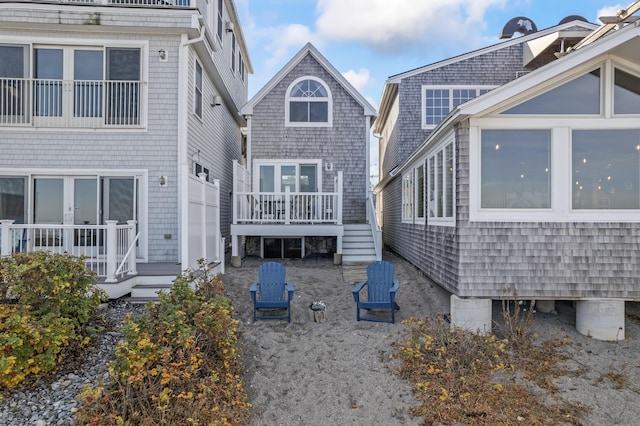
336	372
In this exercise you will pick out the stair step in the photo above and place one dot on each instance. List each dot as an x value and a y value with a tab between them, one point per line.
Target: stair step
357	259
141	300
149	290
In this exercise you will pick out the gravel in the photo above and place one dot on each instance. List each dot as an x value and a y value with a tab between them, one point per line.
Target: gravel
52	401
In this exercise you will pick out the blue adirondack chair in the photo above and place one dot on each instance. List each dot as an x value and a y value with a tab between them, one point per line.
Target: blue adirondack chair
381	291
272	291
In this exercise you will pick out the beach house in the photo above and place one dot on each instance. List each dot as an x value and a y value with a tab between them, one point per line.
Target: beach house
513	172
304	189
120	121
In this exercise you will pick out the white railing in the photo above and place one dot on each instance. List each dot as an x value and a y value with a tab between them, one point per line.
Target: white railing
373	222
171	3
287	207
103	246
70	103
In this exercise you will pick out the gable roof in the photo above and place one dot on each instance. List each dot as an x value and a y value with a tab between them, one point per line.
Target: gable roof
308	49
390	87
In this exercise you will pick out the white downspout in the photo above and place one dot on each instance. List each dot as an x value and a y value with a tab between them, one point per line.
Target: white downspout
183	165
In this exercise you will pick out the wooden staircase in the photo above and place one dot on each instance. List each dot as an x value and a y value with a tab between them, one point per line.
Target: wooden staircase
357	244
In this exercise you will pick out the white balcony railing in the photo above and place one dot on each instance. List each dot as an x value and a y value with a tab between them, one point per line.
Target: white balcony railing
170	3
287	207
107	248
28	102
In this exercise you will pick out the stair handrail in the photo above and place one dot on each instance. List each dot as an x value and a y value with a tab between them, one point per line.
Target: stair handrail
376	231
126	255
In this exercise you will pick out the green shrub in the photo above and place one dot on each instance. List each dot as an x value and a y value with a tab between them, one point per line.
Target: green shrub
46	301
177	364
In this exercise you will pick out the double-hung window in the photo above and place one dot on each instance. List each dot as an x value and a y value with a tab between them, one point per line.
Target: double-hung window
219	21
441	188
439	101
197	97
407	197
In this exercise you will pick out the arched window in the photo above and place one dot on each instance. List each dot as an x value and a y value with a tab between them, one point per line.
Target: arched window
308	103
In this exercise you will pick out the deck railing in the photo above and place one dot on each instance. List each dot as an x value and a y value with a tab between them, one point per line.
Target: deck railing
286	207
105	247
27	102
139	3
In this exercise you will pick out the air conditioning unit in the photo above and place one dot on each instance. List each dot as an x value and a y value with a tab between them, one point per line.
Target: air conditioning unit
229	26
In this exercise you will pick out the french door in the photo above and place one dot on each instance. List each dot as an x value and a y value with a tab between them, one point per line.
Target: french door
82	201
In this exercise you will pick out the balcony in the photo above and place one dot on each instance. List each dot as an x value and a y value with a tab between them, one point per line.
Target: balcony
109	250
137	3
287	208
92	104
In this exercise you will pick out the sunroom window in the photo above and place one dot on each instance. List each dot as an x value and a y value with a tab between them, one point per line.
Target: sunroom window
308	103
578	96
626	93
515	167
605	169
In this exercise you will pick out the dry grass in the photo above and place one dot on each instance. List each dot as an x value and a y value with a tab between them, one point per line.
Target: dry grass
466	378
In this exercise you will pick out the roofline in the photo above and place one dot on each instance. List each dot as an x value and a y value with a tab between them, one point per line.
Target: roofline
538	77
522	39
309	49
394	80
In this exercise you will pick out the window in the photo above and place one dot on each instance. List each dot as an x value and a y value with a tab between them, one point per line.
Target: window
441	194
606	169
70	86
197	101
515	169
420	190
233	53
626	93
308	103
579	96
241	69
277	176
12	198
198	168
219	23
407	197
439	101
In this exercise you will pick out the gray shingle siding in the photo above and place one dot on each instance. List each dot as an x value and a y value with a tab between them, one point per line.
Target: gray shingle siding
343	144
494	68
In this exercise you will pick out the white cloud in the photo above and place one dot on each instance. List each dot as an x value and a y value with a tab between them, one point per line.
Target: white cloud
286	40
392	26
358	79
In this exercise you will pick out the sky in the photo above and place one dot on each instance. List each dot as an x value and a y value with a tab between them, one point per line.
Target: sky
370	40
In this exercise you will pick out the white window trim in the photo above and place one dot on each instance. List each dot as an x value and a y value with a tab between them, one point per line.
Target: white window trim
284	162
328	99
31	42
561	179
420	219
408	206
195	89
219	22
423	92
442	221
234	53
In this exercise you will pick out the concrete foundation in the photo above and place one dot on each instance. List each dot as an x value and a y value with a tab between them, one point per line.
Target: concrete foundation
337	258
471	314
236	261
601	319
